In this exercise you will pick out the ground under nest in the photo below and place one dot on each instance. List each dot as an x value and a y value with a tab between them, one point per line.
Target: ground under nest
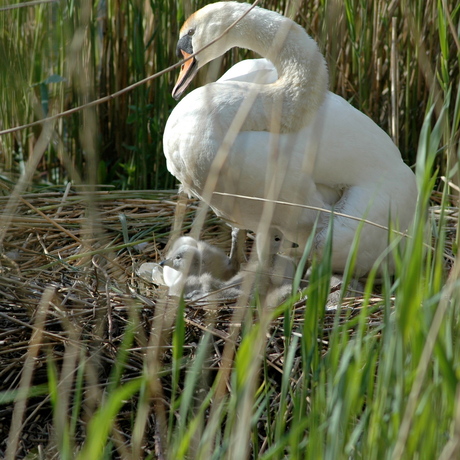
68	282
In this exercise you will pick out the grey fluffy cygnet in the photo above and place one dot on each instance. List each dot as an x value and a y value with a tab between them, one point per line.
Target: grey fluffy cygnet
334	298
191	259
204	259
272	274
279	268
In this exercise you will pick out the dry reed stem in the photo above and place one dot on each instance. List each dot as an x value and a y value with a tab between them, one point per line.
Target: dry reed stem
26	378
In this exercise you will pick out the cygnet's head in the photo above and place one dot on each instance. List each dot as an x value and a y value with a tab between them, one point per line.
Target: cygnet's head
185	259
183	241
271	242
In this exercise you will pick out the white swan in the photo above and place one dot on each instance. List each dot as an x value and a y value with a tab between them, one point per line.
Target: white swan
259	71
296	142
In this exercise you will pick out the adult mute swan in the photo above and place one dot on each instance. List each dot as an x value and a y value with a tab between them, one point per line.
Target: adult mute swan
290	141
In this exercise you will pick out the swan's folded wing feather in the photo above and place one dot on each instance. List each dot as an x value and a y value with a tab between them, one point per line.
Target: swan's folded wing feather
256	168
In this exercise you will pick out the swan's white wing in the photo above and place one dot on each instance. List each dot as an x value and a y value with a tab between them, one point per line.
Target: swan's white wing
254	169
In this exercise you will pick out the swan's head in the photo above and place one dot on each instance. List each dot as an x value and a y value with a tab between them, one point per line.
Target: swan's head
200	30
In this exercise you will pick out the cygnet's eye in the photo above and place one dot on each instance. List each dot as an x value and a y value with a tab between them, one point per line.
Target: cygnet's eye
191	32
277	239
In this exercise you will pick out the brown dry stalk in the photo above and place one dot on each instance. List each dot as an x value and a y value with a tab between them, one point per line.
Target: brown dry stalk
27	372
25	179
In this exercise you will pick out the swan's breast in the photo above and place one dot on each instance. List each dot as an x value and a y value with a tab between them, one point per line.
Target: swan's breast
199	123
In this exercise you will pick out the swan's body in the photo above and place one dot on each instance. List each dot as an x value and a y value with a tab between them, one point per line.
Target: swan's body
259	71
299	143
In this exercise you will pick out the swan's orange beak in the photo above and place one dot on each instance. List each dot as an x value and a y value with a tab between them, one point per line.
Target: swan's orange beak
187	72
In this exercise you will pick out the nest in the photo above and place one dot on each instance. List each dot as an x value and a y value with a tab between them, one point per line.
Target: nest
68	282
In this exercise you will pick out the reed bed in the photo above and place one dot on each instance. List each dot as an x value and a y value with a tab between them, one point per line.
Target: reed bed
388	59
104	324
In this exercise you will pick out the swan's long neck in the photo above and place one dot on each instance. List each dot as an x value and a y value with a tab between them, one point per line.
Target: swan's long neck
302	70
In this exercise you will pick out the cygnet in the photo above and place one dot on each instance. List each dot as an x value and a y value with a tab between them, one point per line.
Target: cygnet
334	298
280	268
191	258
271	274
205	259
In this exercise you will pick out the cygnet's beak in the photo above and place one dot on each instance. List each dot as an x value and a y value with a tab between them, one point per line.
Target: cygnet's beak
166	263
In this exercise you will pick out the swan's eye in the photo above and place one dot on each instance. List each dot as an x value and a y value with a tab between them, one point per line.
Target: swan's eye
191	32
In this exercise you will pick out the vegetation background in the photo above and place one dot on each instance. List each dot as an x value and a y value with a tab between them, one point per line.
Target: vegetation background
389	59
84	99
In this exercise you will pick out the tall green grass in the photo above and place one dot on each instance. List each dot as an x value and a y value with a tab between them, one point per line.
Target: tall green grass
386	58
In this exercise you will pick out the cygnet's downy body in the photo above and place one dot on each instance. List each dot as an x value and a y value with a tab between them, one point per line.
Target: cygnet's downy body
279	268
189	259
272	274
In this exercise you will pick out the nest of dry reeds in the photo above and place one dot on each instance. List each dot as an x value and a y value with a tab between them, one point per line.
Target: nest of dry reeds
68	277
